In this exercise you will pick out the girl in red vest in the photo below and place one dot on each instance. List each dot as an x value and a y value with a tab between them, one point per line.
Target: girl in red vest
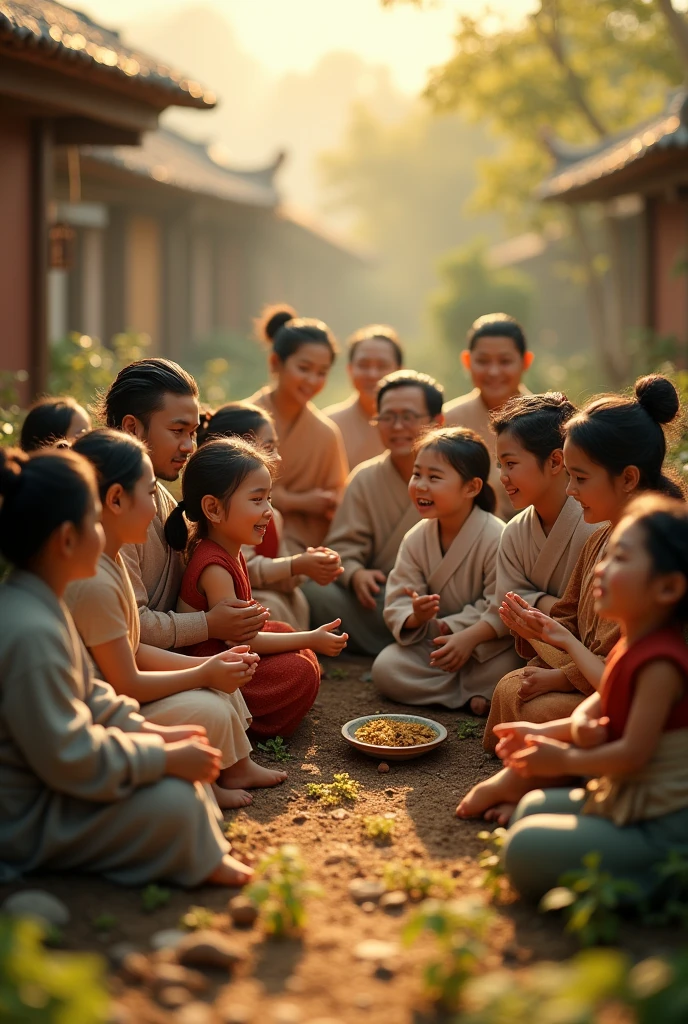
631	738
226	496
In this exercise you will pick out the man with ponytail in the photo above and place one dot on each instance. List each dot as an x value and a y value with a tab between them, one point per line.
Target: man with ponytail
157	401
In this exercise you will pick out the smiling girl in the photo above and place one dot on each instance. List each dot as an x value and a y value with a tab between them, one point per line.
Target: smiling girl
172	689
314	466
614	450
496	358
85	783
439	592
226	495
632	737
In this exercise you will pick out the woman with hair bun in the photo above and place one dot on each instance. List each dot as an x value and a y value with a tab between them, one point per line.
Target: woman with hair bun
314	466
53	419
85	783
496	356
614	450
374	352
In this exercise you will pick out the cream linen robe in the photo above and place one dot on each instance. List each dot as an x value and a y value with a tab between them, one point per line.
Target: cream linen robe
375	514
80	786
284	598
533	565
464	578
470	411
312	453
104	609
361	440
156	571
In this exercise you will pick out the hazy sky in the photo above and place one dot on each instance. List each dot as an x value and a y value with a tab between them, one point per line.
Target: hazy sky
291	35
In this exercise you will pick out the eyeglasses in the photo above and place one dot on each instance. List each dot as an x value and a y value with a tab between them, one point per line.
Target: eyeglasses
407	419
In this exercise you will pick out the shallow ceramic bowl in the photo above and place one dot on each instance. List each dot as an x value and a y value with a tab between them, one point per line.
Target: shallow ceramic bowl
393	753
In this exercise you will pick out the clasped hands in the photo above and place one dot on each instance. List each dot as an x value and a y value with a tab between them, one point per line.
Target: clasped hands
452	649
524	747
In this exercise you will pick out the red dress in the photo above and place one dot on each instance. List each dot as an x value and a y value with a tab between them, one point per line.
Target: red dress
284	686
621	671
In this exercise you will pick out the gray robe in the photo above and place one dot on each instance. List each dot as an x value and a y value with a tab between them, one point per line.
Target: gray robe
80	785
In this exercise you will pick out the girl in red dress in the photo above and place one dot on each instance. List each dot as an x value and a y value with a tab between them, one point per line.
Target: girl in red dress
226	495
630	738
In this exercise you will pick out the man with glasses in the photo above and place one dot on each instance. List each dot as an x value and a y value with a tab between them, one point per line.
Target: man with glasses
376	512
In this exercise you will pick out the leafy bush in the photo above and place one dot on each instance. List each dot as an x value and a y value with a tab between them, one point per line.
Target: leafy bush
591	899
329	794
276	749
280	891
46	987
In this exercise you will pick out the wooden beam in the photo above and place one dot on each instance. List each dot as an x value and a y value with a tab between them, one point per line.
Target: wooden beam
59	94
84	131
41	190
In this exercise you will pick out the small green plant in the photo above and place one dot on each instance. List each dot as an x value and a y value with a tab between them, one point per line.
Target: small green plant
490	861
673	879
459	928
280	891
418	881
468	730
197	918
104	922
329	794
154	897
276	749
591	899
337	673
237	828
379	829
38	986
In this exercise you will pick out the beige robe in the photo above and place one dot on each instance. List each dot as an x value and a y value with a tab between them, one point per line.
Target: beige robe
370	524
464	577
361	440
313	456
576	611
470	411
156	571
533	565
81	787
284	598
104	609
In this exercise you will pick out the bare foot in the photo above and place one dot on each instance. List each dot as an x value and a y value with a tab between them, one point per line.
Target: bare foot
229	797
500	813
479	706
504	787
246	774
230	872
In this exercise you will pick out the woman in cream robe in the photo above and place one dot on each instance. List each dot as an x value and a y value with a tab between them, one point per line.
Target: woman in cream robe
313	456
104	609
367	530
464	578
533	564
81	787
576	611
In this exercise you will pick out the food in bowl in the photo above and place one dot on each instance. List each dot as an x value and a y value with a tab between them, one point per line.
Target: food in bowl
385	732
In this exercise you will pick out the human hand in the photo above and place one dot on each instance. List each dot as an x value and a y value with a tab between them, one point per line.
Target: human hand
324	640
512	736
543	680
319	502
236	621
591	732
425	607
228	670
322	565
452	652
192	759
172	733
366	585
541	756
532	624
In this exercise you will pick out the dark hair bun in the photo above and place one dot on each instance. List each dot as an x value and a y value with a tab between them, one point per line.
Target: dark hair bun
658	397
12	461
275	317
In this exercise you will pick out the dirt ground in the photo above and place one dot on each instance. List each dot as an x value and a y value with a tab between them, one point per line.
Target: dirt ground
321	977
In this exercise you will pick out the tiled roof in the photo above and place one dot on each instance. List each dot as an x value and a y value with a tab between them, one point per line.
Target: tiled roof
49	31
576	171
172	159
